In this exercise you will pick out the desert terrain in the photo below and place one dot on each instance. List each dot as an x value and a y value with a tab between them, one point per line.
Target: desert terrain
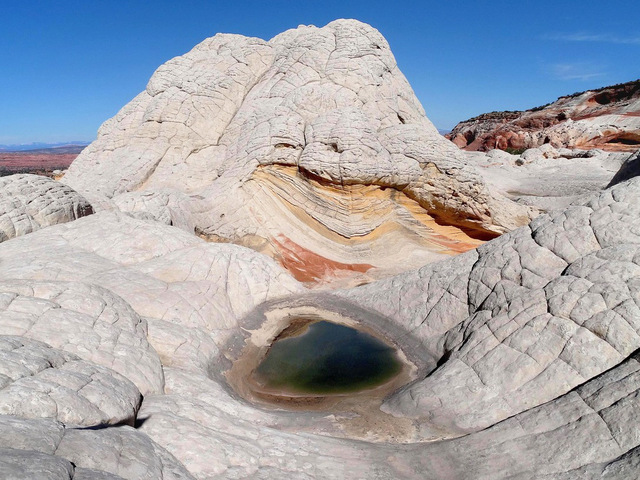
256	187
39	161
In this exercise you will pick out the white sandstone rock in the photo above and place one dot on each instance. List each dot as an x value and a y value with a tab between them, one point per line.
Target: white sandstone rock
524	351
180	284
86	320
270	145
46	449
37	381
30	202
531	315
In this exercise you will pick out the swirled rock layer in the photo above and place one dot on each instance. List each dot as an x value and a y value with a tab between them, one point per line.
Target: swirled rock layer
524	318
310	147
526	350
522	356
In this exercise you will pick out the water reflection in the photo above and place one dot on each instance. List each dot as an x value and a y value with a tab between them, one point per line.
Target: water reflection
327	358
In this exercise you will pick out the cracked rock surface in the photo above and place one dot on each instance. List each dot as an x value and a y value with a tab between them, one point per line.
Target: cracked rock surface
527	349
176	300
40	381
86	320
49	450
310	147
123	335
522	319
31	202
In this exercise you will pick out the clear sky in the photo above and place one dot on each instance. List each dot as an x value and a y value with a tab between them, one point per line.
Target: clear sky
66	66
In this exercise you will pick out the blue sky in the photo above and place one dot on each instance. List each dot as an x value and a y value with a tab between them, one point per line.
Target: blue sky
66	66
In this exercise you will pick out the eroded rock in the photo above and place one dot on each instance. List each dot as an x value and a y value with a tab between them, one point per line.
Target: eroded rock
30	202
523	352
86	320
37	381
309	145
50	450
534	313
135	273
606	118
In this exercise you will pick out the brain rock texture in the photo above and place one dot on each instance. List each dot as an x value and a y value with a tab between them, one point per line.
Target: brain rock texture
30	202
311	148
120	331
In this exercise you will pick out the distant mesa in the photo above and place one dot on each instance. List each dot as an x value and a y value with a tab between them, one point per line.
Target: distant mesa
607	118
38	158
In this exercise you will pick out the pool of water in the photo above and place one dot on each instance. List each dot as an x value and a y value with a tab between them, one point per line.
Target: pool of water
327	358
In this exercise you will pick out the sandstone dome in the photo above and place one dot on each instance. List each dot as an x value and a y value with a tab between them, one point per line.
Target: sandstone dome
311	148
124	335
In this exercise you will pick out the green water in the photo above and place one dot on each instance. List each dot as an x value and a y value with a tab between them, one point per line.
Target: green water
327	358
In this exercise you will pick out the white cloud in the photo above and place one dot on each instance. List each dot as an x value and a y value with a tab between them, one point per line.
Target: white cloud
593	37
575	71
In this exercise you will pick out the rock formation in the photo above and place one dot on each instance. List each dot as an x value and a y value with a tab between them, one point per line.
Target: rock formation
41	381
124	337
311	148
30	202
629	169
46	449
550	178
607	118
547	306
547	313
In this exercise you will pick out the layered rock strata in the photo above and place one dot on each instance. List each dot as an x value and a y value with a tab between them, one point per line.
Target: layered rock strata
523	345
310	147
120	335
607	118
554	300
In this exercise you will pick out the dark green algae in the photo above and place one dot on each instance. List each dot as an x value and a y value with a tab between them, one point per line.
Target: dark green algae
327	358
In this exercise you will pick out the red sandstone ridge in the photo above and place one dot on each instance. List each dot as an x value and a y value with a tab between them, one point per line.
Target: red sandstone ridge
606	118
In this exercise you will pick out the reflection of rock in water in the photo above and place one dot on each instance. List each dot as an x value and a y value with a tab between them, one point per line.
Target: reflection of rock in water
327	358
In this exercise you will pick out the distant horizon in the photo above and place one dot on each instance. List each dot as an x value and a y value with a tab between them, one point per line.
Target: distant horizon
40	144
68	69
36	142
442	131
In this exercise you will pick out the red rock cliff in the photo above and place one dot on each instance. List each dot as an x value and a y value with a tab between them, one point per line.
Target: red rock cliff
607	118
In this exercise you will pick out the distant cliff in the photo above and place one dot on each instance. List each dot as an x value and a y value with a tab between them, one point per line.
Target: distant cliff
607	118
